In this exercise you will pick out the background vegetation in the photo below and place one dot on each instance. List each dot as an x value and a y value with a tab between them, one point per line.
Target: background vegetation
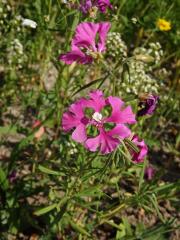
50	186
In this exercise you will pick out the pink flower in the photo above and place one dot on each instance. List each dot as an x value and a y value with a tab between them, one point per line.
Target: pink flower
107	139
88	43
143	149
149	173
88	5
148	104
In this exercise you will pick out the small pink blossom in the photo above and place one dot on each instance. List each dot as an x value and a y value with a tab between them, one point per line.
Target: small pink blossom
88	43
88	5
12	176
149	173
106	140
143	150
148	104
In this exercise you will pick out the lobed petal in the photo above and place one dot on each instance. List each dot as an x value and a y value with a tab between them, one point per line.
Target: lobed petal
75	115
69	121
79	134
120	131
103	31
108	141
103	141
75	56
85	35
119	115
96	101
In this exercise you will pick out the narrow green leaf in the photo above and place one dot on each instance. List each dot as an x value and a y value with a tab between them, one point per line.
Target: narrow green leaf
88	85
48	171
155	204
78	228
3	180
141	180
91	191
45	210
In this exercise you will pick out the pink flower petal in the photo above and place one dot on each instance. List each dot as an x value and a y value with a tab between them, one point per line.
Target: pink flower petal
120	131
79	134
96	101
75	115
75	56
93	143
103	30
120	115
78	107
85	35
105	142
108	141
69	121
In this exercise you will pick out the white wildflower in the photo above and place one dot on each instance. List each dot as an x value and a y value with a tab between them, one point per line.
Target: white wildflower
134	20
29	23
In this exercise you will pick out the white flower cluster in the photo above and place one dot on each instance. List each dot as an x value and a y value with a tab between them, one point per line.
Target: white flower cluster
15	53
138	81
5	8
139	78
116	47
162	73
73	147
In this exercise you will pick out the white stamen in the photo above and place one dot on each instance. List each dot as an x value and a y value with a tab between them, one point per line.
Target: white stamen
97	117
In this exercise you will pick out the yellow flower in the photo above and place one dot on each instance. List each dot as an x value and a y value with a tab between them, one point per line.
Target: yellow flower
163	25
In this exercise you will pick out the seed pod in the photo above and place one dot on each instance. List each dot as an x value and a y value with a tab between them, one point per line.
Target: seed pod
144	58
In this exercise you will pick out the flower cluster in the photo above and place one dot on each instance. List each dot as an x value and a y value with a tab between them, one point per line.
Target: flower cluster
5	9
90	6
15	53
116	47
92	124
138	80
141	76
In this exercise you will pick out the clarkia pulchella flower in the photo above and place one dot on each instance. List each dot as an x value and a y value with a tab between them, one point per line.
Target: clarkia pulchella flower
89	6
149	172
143	149
147	104
106	140
85	47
